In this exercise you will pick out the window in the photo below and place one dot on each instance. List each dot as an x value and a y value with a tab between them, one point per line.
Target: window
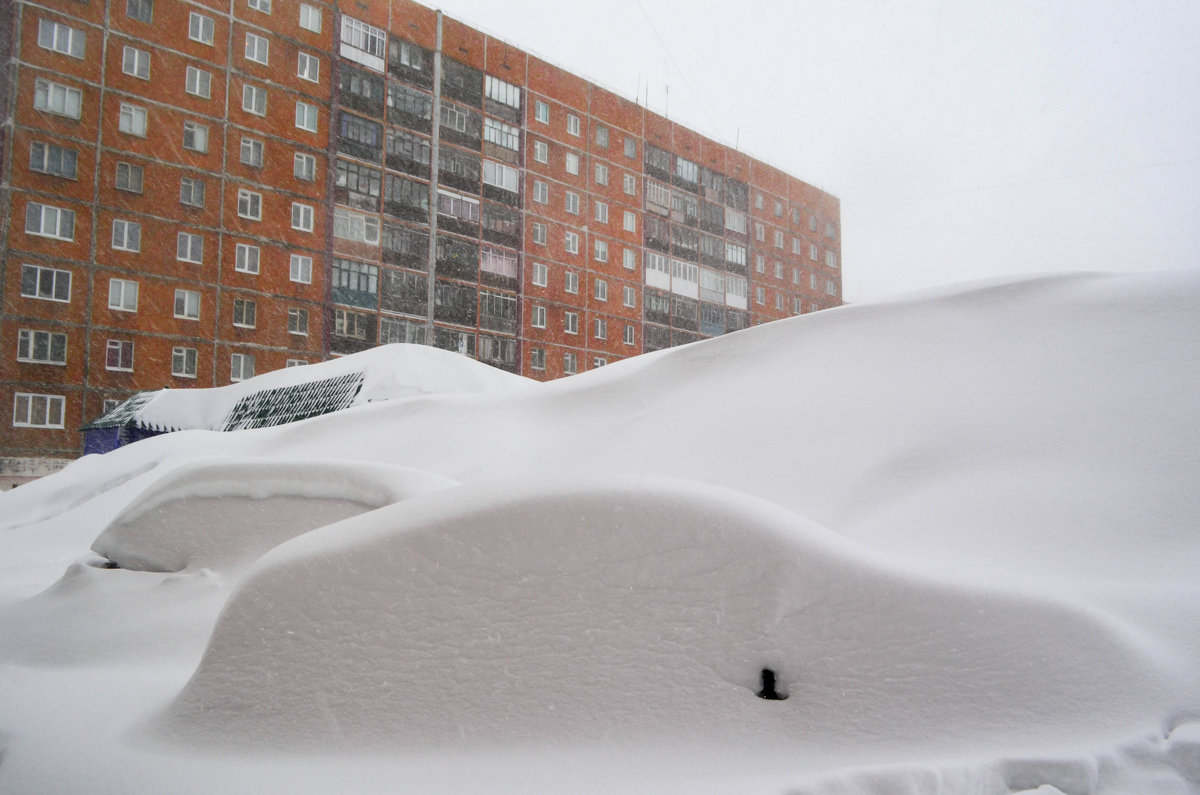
257	48
735	221
601	212
260	5
630	184
302	362
457	205
502	134
537	359
812	251
118	355
539	233
758	201
60	38
570	363
601	329
310	17
500	176
367	39
629	223
760	232
831	287
572	202
245	312
252	152
302	217
57	99
600	290
778	239
572	124
502	92
572	163
41	347
304	167
629	296
308	67
241	366
46	284
538	316
686	170
760	295
629	259
200	28
778	270
249	204
630	147
571	322
135	62
601	136
355	226
541	151
812	281
183	362
541	274
37	411
600	250
778	212
51	159
298	321
541	192
126	235
132	120
306	116
246	258
189	247
541	111
760	263
571	282
300	269
571	242
141	10
831	258
735	254
254	100
198	82
195	136
45	220
187	304
630	335
349	324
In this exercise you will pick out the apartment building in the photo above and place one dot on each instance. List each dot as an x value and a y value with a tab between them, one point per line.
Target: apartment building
196	192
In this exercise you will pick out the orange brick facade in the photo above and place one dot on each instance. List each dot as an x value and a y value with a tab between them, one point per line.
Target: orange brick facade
199	192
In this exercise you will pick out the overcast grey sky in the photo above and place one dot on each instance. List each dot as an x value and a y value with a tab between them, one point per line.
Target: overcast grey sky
965	139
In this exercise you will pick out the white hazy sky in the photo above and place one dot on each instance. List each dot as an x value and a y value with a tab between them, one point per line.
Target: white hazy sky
965	139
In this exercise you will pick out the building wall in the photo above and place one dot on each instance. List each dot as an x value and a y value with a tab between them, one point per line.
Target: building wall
281	183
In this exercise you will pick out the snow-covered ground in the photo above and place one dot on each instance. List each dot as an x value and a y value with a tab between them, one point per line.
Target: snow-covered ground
959	529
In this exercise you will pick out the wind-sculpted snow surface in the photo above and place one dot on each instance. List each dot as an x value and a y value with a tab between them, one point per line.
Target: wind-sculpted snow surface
222	514
630	612
957	530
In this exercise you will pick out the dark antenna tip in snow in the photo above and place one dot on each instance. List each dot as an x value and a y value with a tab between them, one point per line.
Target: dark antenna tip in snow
768	687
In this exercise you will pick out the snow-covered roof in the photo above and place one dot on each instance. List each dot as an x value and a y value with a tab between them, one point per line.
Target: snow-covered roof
296	393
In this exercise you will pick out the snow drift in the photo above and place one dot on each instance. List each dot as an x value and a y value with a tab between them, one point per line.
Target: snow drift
958	526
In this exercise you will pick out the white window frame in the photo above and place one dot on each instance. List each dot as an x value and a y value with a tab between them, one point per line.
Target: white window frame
251	152
132	120
600	290
573	125
247	258
298	321
541	274
52	221
304	167
601	174
135	62
571	282
184	362
308	67
308	117
198	82
541	111
541	151
201	28
571	163
257	49
310	18
46	283
300	269
571	322
241	367
52	406
629	296
629	221
249	205
247	308
537	316
539	233
122	295
260	5
254	99
195	136
60	38
126	235
27	346
302	216
571	242
541	192
58	99
189	247
600	212
571	202
187	304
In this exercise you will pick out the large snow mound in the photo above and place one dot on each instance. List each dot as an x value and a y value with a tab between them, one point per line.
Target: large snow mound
221	514
631	611
959	526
